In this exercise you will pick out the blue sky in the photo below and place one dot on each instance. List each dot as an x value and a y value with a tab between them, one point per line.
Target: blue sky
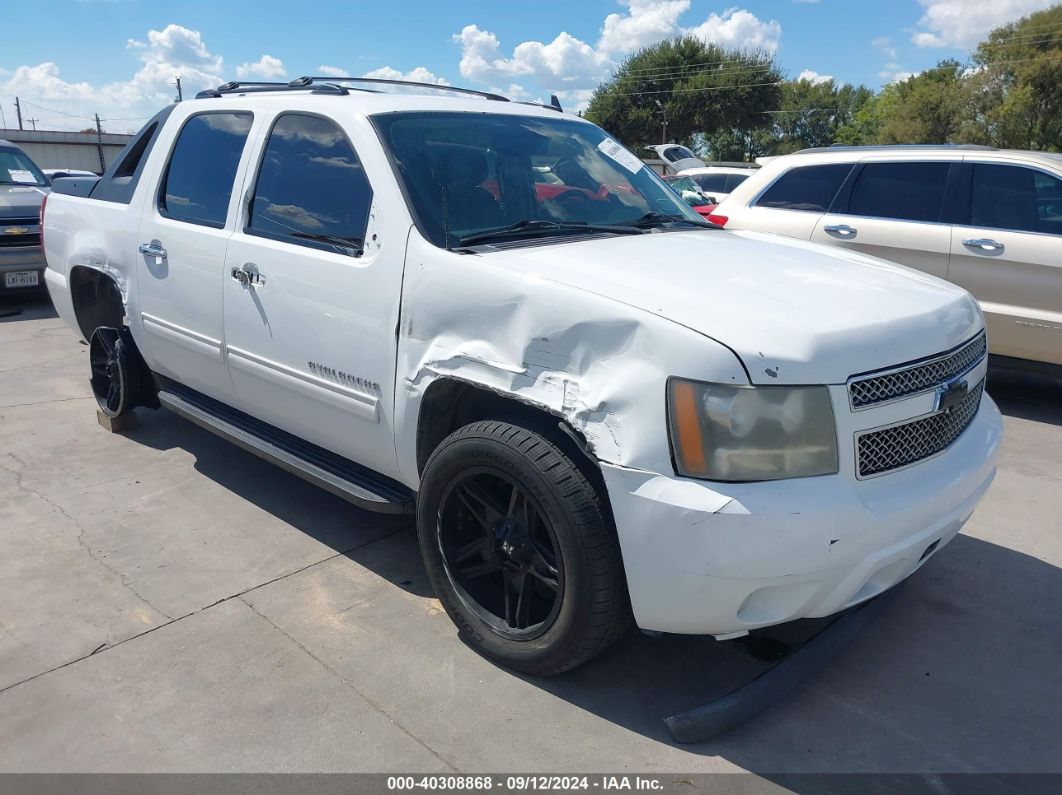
118	57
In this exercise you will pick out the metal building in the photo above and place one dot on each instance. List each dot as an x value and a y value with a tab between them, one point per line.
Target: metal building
53	149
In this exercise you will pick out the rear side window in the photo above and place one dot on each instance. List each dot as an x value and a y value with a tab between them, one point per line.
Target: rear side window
199	177
808	188
1015	198
311	187
904	191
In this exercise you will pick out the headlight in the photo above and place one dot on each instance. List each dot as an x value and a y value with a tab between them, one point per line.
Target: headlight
739	433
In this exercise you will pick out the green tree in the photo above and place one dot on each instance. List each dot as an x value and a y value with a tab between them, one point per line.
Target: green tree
929	108
812	114
695	87
1016	85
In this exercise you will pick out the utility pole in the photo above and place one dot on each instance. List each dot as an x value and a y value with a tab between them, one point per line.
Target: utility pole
34	123
663	138
99	144
18	110
180	96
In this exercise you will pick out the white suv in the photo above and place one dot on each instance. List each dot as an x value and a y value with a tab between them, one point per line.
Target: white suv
598	406
987	220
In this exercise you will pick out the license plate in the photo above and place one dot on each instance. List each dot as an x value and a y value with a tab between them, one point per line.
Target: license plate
21	279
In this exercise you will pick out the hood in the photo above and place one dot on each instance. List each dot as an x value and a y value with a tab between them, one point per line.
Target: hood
793	312
20	201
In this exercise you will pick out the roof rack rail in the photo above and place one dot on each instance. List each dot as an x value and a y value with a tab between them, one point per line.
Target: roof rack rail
389	82
889	147
248	87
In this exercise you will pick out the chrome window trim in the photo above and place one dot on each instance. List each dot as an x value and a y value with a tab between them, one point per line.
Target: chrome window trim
909	366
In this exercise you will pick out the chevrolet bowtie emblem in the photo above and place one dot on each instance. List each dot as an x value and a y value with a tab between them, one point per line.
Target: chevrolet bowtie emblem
950	395
16	230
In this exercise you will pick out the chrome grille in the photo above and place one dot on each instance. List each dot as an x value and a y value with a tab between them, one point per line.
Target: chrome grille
868	390
898	446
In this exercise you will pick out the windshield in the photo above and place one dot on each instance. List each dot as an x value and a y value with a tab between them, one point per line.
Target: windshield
684	183
17	169
467	176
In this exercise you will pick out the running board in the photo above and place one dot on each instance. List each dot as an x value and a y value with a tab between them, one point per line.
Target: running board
321	467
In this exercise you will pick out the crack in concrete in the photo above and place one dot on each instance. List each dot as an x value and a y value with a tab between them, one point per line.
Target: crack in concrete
18	367
352	686
46	402
123	578
99	650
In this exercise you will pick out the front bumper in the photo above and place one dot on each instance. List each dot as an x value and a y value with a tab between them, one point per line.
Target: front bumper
22	258
723	558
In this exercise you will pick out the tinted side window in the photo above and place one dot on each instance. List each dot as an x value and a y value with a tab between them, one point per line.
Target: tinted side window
198	180
310	183
733	180
1011	197
905	191
808	188
711	182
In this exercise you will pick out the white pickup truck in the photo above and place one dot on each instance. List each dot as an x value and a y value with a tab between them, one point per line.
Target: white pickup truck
493	316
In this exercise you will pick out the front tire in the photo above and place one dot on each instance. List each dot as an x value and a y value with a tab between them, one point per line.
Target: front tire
521	549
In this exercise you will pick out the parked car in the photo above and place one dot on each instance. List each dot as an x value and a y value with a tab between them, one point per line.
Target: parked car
987	220
590	425
59	173
720	180
675	157
691	194
22	187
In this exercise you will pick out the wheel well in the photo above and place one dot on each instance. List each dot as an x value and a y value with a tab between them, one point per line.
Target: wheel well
97	300
449	404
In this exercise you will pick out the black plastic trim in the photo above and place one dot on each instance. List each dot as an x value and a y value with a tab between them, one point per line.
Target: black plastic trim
739	706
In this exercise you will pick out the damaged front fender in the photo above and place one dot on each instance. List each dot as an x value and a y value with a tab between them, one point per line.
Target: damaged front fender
599	364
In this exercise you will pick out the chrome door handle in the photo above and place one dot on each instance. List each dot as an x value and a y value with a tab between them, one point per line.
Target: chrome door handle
248	275
152	249
839	229
983	243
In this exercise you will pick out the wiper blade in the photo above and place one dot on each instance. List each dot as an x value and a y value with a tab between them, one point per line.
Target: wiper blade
354	244
534	227
660	219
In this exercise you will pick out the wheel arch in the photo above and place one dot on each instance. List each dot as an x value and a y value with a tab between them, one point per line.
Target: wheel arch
97	299
450	403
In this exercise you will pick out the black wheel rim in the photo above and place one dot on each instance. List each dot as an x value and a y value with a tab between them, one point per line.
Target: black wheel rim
500	553
106	368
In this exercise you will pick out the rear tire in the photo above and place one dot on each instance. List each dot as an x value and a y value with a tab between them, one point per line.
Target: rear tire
119	377
520	548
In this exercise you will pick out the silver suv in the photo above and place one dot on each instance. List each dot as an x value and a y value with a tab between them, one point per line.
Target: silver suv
988	220
22	187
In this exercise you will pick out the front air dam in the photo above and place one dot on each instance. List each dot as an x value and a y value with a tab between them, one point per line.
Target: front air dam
746	702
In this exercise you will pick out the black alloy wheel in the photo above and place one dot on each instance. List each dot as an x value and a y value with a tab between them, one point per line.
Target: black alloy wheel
500	553
108	360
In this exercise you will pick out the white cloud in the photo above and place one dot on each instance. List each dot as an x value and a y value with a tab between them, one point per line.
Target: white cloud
895	75
740	30
565	60
814	77
331	71
570	64
646	22
962	24
417	75
884	43
267	66
172	52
